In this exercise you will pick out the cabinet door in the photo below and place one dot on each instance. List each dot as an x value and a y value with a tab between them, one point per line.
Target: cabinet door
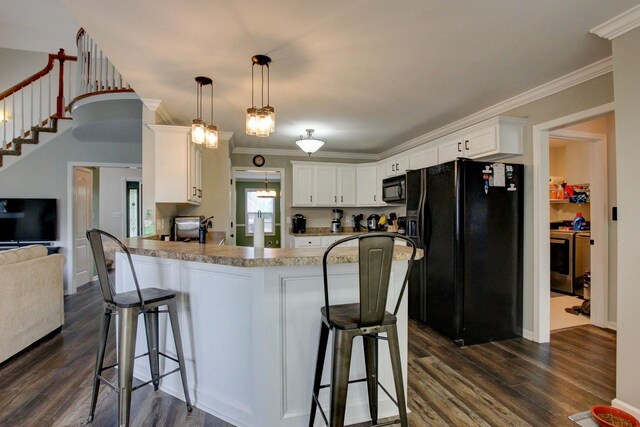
450	150
379	177
172	167
195	173
389	168
347	186
423	158
480	142
367	181
307	242
303	185
325	186
402	165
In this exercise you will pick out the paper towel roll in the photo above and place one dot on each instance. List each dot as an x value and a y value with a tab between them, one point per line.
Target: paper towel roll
258	233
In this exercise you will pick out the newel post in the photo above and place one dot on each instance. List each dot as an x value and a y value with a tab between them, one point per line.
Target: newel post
60	99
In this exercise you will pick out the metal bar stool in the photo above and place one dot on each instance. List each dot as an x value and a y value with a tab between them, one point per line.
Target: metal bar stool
128	306
367	319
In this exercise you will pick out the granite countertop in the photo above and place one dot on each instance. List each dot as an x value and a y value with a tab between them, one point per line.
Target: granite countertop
240	256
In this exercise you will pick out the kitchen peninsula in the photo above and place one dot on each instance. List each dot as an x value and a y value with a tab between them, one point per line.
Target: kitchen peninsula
250	321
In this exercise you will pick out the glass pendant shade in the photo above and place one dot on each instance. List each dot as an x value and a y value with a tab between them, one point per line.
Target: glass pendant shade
266	193
212	136
198	131
309	144
252	121
260	121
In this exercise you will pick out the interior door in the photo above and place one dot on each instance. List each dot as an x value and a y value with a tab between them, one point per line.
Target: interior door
82	220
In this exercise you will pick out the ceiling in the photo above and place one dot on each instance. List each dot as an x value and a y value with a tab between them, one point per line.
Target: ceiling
366	74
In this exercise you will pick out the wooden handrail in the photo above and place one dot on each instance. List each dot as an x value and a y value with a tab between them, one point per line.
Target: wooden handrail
26	82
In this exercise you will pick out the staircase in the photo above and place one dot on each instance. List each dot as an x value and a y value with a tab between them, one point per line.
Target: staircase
36	104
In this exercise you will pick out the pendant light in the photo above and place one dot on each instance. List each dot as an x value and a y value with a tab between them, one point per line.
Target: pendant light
266	193
212	130
309	144
201	133
260	121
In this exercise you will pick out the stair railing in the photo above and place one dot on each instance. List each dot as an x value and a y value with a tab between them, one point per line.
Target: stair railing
96	73
35	100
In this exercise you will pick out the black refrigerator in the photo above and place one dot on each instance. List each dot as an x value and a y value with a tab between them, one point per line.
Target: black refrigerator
467	216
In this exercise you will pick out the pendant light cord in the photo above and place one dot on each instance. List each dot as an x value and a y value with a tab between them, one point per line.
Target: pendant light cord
253	103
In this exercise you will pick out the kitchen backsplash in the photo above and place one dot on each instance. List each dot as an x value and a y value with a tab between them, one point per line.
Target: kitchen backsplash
321	217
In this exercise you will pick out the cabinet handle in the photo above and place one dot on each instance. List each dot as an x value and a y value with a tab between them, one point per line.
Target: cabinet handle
466	144
393	168
194	192
310	198
459	147
374	197
335	199
397	167
341	199
199	192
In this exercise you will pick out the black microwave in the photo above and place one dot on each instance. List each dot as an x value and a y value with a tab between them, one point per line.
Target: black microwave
394	189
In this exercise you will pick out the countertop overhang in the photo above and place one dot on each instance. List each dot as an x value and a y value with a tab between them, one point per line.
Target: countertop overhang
240	256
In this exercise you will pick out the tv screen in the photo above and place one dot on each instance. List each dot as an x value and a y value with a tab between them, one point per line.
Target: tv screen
28	220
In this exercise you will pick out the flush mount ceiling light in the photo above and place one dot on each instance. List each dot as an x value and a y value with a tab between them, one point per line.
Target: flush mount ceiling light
260	121
308	143
201	133
266	193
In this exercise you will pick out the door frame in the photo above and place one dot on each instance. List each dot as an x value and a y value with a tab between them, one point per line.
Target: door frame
71	288
541	275
232	202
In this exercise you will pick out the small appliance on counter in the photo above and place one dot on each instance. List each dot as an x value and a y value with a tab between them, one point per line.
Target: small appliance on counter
187	228
372	222
298	223
402	225
357	226
336	222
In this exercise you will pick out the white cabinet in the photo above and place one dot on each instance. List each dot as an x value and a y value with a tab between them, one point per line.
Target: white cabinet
327	184
380	176
367	179
178	165
493	139
306	242
396	166
346	186
303	185
423	158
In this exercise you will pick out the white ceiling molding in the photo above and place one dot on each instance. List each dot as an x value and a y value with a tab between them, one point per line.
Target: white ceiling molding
618	25
574	78
300	153
156	106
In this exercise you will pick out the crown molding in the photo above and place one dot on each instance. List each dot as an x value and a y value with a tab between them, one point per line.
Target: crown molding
618	25
300	153
574	78
156	106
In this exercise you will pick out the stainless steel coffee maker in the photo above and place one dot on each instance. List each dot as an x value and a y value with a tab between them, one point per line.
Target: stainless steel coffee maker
336	222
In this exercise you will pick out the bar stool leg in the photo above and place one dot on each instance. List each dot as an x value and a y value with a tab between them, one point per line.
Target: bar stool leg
128	324
152	329
370	345
322	351
105	321
175	327
396	366
342	346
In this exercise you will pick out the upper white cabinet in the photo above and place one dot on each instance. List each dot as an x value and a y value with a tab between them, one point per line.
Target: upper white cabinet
423	158
396	166
493	139
368	186
303	184
325	180
346	186
178	165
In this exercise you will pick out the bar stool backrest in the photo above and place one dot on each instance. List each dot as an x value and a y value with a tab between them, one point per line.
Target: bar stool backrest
95	237
375	253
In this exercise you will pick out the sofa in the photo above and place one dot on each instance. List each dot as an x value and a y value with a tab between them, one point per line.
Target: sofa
31	297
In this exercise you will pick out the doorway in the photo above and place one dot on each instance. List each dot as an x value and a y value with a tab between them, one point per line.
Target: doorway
249	188
566	128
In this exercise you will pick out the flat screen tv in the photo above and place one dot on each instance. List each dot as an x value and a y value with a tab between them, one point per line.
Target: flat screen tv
28	220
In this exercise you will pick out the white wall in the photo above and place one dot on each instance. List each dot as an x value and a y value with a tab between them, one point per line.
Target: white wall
626	69
112	210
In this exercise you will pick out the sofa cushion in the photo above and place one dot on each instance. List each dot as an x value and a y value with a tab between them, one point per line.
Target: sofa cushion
25	253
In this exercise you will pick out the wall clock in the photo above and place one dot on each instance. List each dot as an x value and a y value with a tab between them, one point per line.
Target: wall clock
258	160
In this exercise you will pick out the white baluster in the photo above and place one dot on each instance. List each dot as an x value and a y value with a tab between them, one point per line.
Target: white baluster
49	99
4	123
40	101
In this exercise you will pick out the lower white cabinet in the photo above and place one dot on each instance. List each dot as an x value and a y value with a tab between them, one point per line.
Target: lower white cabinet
317	241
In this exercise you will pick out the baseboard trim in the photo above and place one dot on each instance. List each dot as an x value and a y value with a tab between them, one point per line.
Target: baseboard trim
617	403
527	334
612	325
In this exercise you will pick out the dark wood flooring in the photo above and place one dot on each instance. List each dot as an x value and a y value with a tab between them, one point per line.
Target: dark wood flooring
507	383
